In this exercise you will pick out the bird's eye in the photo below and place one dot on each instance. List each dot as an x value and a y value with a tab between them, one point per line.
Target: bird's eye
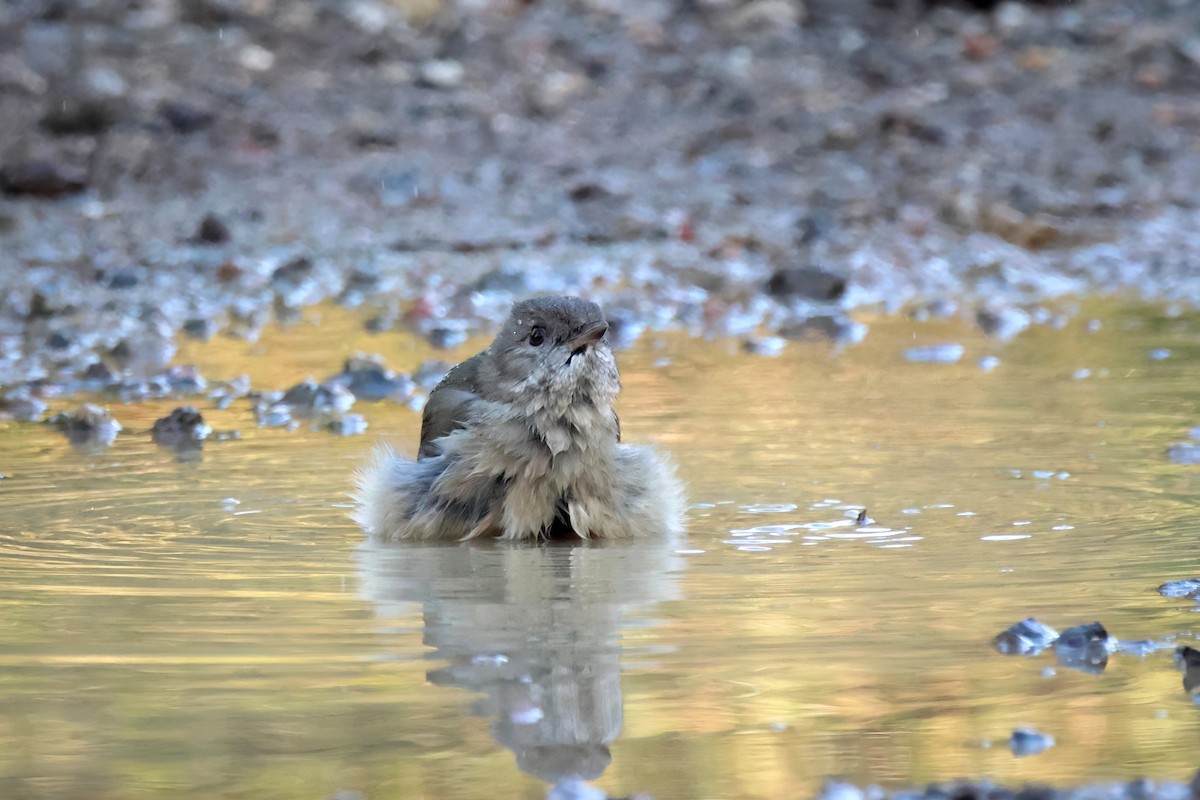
537	336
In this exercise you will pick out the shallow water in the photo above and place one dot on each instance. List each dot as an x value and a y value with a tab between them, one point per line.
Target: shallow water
219	628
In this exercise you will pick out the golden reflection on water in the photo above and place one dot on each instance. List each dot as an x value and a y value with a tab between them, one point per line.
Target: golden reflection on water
218	628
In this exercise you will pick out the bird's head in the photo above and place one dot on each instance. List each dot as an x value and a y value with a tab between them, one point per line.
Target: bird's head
553	351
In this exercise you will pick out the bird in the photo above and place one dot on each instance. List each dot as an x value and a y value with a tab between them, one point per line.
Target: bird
521	441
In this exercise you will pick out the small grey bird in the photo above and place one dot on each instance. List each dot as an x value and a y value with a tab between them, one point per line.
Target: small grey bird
521	441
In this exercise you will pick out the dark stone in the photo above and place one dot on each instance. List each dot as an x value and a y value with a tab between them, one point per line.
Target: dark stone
211	230
809	283
199	328
184	427
22	406
446	338
58	341
307	398
1184	588
1188	661
1028	742
1026	638
39	178
1184	453
346	424
123	280
368	378
89	429
185	379
185	118
79	117
1085	648
293	273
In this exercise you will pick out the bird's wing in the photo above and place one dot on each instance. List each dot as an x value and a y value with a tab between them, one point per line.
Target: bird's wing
448	406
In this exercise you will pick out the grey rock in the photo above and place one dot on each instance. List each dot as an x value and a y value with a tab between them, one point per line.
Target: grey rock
1027	637
1029	742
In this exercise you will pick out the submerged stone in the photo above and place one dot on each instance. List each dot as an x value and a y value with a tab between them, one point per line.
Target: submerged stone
346	424
1184	453
948	353
89	428
1029	742
368	378
1085	648
308	398
1188	661
184	427
1026	638
1189	587
22	406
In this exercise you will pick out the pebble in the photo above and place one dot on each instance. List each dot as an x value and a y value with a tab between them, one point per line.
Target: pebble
368	378
809	283
89	428
1002	323
211	230
1029	742
1184	453
182	428
442	74
308	398
1026	638
40	178
346	424
1085	648
1183	588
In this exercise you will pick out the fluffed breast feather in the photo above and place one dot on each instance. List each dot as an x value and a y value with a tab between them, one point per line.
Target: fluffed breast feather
422	500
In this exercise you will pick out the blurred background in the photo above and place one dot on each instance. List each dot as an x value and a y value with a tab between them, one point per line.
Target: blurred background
720	165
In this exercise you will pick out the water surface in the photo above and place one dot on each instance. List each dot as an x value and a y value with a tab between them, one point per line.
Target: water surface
219	628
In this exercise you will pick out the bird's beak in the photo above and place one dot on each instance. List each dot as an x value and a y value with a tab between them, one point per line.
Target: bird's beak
588	336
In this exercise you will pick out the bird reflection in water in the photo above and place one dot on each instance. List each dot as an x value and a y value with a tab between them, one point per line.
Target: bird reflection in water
534	630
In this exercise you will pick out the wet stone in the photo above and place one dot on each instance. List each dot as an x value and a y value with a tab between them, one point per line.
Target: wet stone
1187	659
840	790
809	283
22	406
431	372
80	116
185	118
182	428
185	380
89	428
211	230
1184	453
1189	587
346	424
224	394
123	279
446	338
1002	323
1085	648
1142	647
769	346
836	328
1026	638
1029	742
308	398
292	274
368	378
40	178
949	353
199	328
